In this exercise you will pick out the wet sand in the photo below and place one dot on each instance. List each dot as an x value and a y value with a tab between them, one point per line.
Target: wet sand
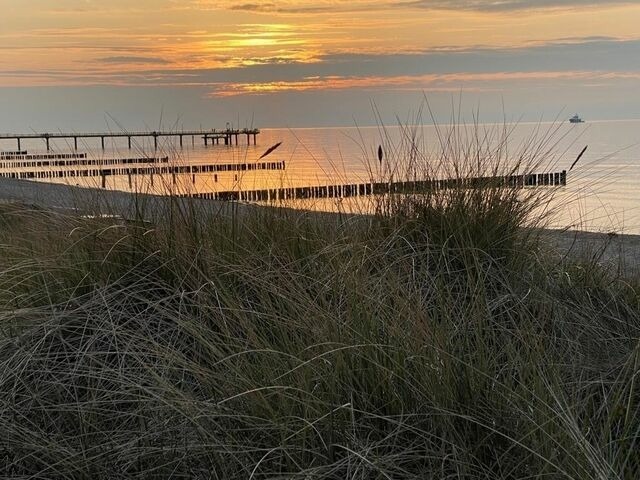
95	201
618	252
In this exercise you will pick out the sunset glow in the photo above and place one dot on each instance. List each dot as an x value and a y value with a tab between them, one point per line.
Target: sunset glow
263	48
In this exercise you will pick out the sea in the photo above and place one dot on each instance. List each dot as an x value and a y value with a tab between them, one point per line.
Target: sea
602	192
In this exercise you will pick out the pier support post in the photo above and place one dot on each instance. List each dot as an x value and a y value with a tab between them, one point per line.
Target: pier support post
19	148
155	142
48	148
205	141
75	143
102	142
180	141
129	140
254	139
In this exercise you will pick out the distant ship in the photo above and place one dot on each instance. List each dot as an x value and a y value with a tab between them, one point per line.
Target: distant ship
576	119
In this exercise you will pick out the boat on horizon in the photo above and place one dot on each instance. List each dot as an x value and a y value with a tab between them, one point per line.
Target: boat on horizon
576	119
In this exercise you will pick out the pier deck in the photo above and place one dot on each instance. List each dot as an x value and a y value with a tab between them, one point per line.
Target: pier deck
213	136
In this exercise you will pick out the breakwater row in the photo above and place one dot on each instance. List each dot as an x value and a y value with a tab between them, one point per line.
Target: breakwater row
79	162
555	179
147	170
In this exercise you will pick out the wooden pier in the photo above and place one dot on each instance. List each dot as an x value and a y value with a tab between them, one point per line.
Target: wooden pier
556	179
213	136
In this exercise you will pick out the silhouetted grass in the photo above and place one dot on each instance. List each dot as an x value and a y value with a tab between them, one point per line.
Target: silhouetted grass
436	338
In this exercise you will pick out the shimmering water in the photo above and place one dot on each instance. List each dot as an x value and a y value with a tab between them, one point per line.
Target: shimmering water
603	191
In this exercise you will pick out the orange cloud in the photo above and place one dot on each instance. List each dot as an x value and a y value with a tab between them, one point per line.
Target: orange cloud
68	42
434	82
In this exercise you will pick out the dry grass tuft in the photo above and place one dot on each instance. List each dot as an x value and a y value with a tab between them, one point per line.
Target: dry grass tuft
434	339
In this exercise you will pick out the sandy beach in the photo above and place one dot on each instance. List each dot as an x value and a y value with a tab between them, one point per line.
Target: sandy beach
92	201
620	253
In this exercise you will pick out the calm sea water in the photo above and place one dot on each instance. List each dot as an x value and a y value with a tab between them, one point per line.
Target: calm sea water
603	191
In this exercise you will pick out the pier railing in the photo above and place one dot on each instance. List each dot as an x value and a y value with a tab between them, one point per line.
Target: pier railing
211	135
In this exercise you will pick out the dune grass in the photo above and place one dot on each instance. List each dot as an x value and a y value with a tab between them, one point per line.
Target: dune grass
437	338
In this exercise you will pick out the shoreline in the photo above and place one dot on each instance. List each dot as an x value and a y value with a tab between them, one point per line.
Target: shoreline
89	200
615	251
619	253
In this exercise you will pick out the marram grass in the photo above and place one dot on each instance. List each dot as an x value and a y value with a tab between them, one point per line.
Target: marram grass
439	338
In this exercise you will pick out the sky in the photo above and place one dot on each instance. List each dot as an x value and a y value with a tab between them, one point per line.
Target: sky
86	65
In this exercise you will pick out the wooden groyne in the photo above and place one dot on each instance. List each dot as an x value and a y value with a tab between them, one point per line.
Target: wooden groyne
78	162
13	152
24	155
147	170
213	136
555	179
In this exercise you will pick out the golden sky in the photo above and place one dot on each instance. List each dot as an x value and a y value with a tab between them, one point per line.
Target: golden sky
256	48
